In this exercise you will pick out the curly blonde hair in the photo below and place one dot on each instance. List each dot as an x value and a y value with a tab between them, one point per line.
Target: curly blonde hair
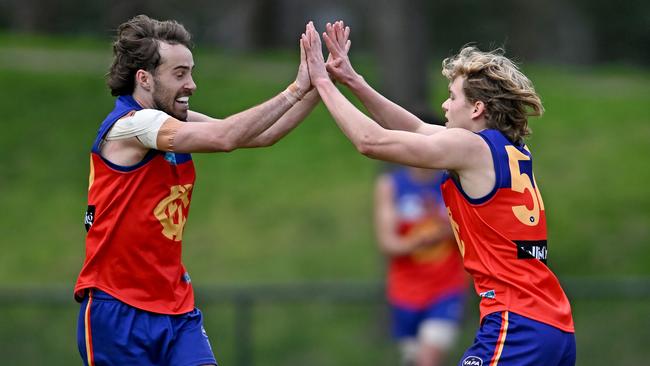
508	95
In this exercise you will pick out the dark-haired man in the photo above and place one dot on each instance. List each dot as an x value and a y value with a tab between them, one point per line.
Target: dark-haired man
137	302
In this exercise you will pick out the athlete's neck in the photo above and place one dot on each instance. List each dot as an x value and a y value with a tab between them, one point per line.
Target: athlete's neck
145	100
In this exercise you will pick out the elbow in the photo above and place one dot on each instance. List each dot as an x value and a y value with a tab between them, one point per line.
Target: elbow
227	147
223	144
265	141
367	145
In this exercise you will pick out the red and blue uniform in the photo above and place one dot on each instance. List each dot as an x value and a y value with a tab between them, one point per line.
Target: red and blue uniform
133	269
430	282
502	238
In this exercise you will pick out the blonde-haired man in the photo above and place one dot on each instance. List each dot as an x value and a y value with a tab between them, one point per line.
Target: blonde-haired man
494	204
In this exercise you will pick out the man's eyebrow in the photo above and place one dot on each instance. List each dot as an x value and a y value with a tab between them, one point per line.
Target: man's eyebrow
184	67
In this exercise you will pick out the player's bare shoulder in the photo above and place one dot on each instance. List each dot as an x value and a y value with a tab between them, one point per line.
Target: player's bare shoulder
463	149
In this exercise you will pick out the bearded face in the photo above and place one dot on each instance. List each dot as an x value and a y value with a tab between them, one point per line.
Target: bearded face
172	81
172	100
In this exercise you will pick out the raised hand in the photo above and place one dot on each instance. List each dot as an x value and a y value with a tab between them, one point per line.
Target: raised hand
303	82
337	40
314	54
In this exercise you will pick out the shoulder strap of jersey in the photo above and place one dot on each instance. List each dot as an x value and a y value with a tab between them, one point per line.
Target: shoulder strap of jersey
123	105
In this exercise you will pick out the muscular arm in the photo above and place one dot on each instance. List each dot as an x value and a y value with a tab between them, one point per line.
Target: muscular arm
236	131
454	149
387	113
197	136
279	129
251	128
287	122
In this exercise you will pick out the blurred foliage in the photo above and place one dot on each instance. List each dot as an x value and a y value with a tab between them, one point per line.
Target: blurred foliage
556	31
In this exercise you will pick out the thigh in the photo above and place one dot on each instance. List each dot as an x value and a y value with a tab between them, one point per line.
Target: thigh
450	307
113	333
508	339
191	345
405	321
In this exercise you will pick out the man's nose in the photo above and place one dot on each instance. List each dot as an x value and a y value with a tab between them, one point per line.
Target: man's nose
191	85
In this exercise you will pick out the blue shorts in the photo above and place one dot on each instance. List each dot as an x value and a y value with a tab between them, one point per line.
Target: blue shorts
509	339
406	322
110	332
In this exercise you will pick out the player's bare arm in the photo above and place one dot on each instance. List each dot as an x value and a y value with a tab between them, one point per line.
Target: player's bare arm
237	131
454	149
242	129
279	129
284	124
384	111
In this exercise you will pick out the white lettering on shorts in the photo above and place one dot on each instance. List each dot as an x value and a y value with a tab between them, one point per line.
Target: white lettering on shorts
472	361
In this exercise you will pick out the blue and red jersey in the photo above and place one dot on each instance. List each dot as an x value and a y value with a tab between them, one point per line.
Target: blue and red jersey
135	221
428	274
502	238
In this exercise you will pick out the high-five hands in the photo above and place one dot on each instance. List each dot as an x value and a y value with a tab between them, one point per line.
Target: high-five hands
337	40
302	85
314	54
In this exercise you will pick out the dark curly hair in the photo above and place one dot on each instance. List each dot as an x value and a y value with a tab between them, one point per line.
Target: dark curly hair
136	47
509	96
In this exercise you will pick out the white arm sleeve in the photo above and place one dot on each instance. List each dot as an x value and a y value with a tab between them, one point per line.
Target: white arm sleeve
143	124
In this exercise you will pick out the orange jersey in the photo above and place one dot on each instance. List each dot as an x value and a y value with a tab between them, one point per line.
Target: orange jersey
502	238
417	279
135	221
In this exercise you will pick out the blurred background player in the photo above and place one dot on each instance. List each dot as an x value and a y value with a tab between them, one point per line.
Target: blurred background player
426	284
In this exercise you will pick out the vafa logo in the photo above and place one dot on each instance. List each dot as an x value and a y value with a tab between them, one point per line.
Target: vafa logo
472	361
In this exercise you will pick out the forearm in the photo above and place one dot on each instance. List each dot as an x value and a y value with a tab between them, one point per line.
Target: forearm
359	128
387	113
287	122
249	124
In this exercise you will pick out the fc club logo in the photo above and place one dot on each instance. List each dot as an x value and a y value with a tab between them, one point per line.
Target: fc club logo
472	361
171	211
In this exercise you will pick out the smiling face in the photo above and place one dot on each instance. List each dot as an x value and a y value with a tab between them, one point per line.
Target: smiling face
172	80
458	110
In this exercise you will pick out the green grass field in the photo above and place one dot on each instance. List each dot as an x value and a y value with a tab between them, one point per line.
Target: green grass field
301	210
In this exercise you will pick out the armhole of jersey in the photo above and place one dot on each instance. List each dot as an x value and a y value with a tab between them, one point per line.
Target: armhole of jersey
101	135
147	158
497	177
103	131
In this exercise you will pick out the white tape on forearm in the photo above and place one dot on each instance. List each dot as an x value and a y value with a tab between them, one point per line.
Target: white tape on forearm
293	94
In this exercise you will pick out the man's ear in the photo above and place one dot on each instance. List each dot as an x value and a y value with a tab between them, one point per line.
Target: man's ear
144	79
478	110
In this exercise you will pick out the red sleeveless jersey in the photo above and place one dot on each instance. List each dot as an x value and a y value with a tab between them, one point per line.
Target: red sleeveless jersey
424	276
502	238
135	222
